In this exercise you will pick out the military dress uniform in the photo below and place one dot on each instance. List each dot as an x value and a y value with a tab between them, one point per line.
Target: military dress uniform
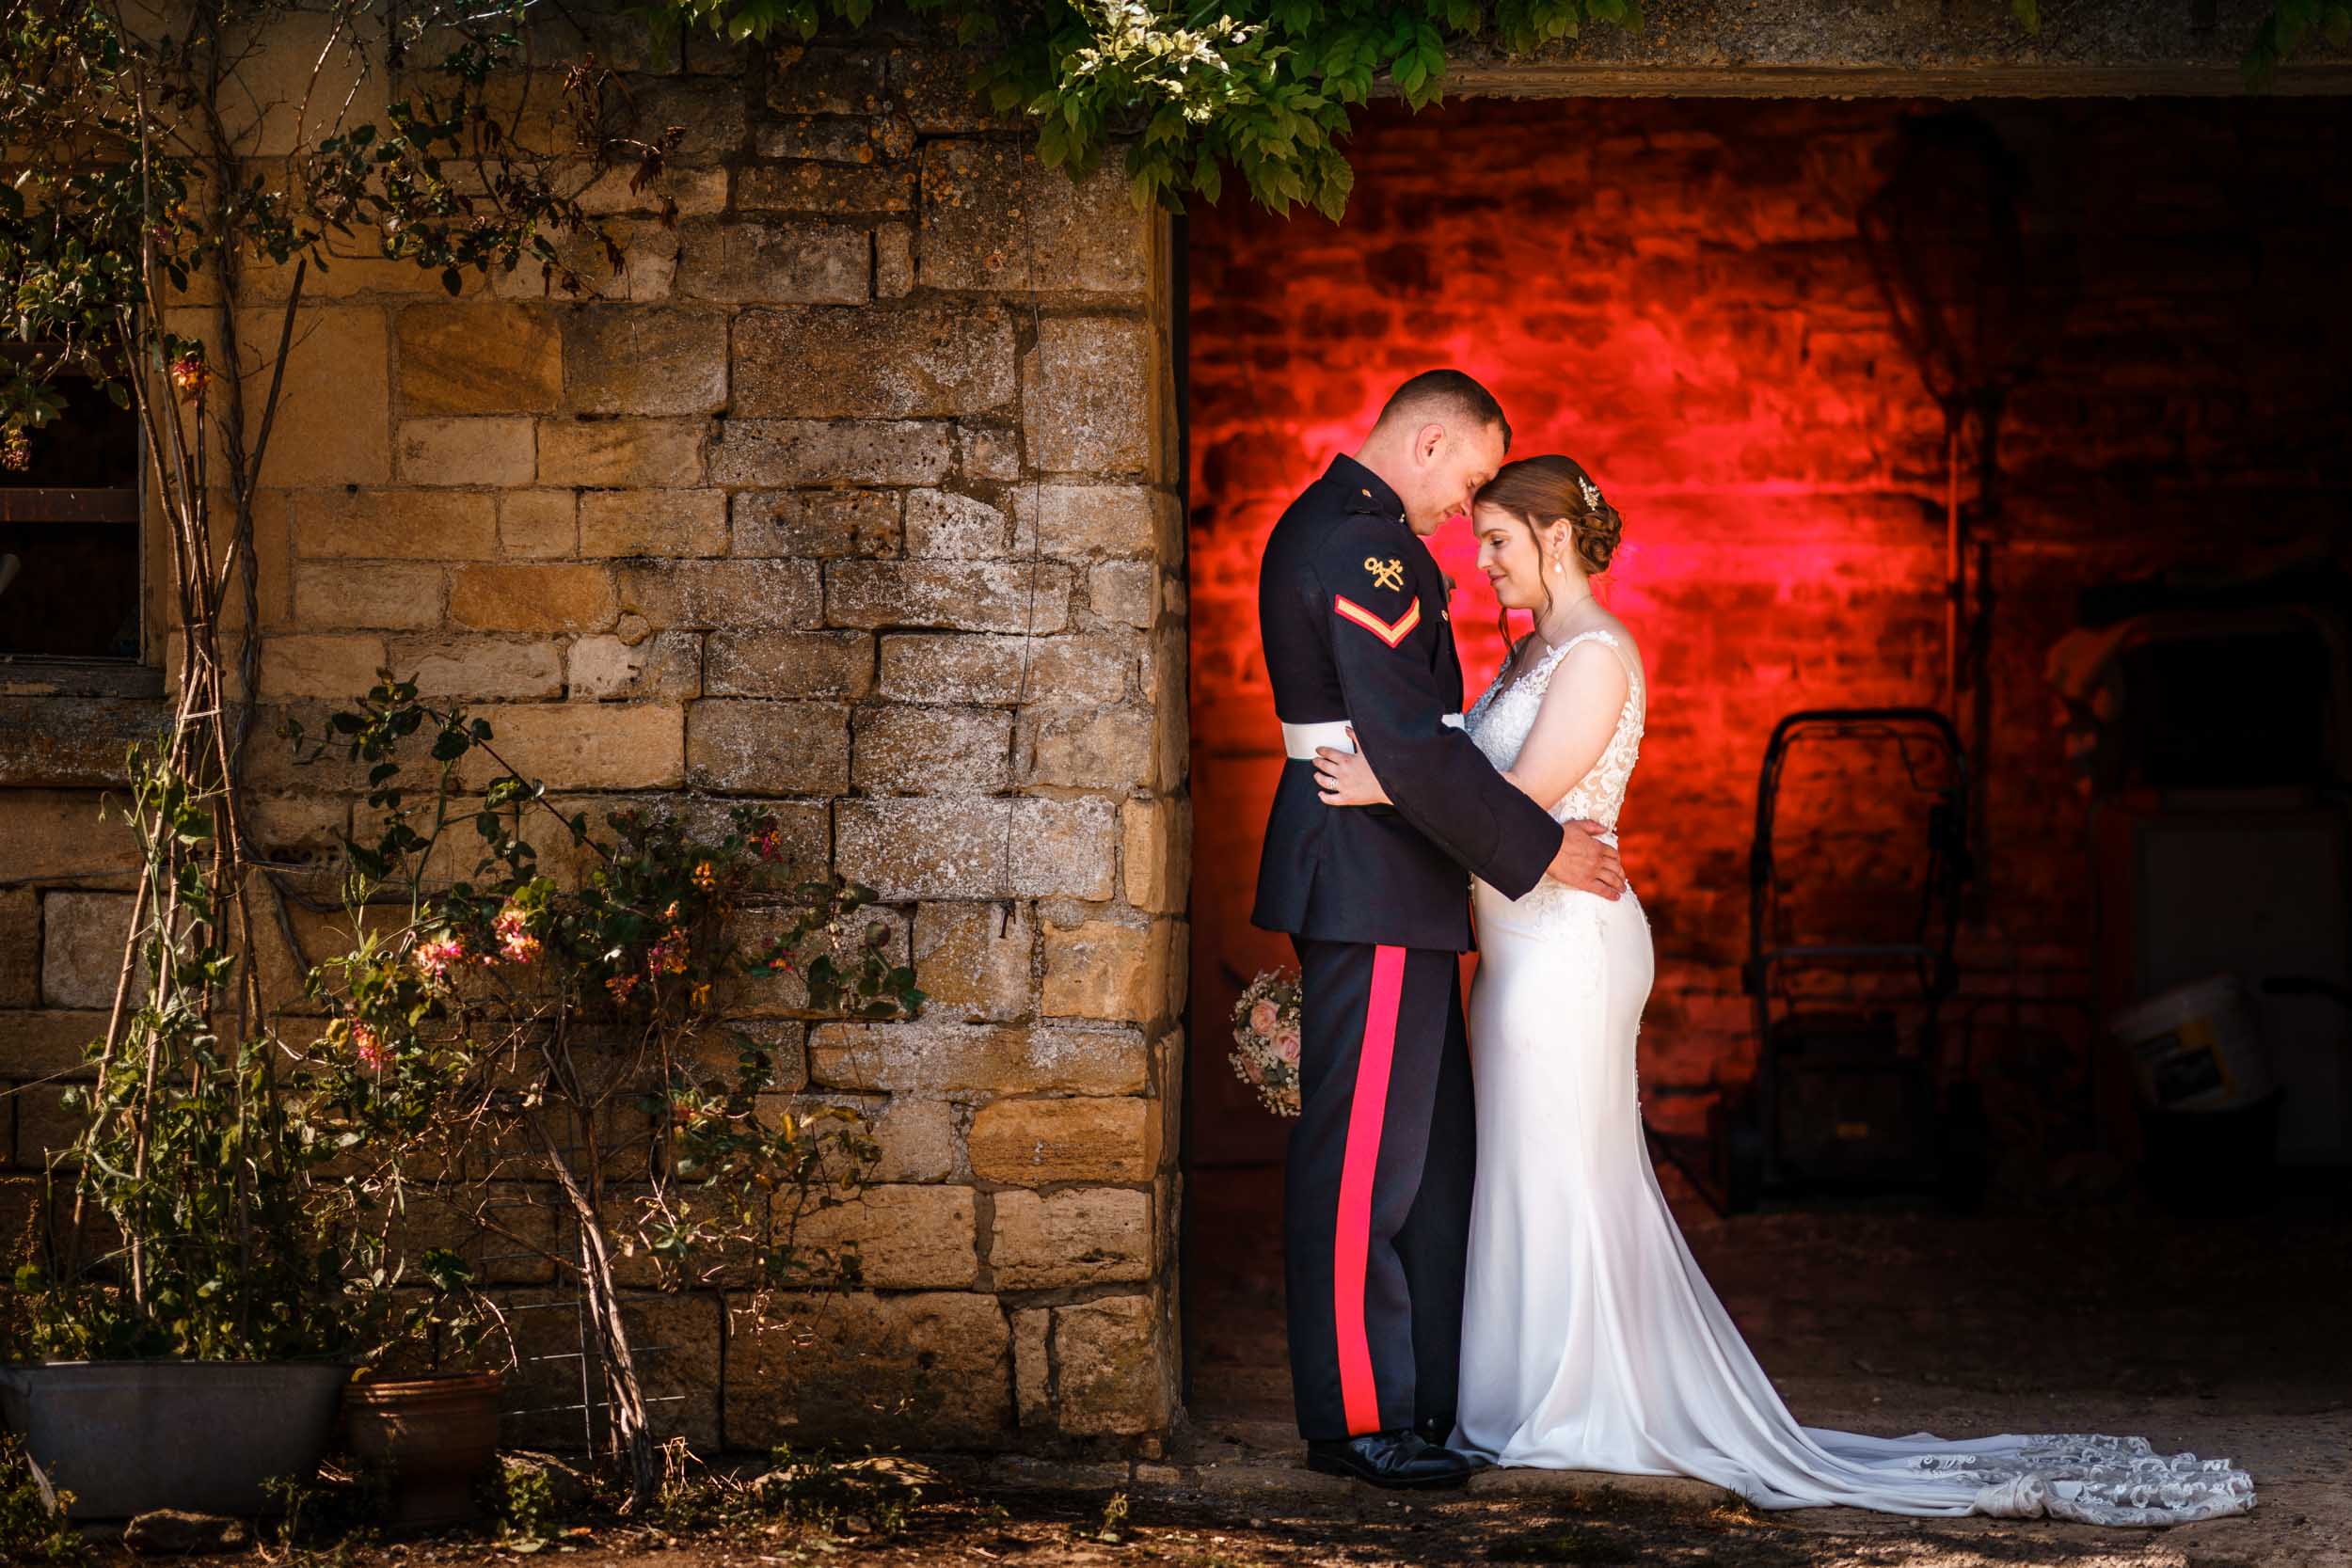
1352	610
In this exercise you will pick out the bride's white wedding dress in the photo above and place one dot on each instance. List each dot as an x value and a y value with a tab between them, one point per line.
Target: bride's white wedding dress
1590	1338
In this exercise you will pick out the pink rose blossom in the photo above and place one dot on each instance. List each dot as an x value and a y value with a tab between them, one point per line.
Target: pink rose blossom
514	938
1264	1018
436	957
1287	1044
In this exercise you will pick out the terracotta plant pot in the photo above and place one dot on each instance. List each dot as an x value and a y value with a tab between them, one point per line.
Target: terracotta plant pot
434	1436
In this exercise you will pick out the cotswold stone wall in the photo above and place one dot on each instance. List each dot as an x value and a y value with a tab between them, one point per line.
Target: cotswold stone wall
852	496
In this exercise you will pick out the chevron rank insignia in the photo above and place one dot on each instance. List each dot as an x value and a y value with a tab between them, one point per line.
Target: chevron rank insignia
1390	632
1385	574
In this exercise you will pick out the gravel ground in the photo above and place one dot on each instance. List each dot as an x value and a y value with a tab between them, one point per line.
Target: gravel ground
2228	1338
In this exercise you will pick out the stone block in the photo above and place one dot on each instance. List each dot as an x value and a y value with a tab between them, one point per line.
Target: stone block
932	87
1097	968
532	598
20	963
493	449
989	451
320	666
334	408
992	596
475	669
587	746
1155	853
1112	1373
745	747
918	1140
825	81
645	453
718	1056
296	827
993	848
81	957
648	265
788	664
883	929
974	962
1077	521
539	524
892	1237
395	525
1127	591
690	191
479	357
894	261
995	218
970	1062
780	452
873	362
948	668
1035	1143
932	1366
837	138
814	524
1083	1236
669	523
1108	747
1033	1365
645	359
732	595
942	523
604	667
1090	398
805	185
49	1044
60	833
349	597
44	1125
712	113
931	750
776	261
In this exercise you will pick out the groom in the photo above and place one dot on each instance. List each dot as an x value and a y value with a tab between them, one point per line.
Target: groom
1351	611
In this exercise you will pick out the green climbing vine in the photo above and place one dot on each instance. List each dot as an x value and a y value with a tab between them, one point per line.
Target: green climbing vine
1263	90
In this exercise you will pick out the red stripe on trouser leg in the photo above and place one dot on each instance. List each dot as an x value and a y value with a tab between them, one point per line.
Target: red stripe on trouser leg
1359	1394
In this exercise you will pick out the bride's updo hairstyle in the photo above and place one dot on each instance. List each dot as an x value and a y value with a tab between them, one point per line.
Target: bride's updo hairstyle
1536	490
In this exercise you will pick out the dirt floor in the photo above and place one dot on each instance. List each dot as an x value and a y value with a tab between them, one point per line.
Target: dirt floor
2228	1337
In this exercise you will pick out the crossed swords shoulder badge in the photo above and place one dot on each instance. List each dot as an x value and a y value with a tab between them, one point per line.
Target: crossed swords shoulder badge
1385	574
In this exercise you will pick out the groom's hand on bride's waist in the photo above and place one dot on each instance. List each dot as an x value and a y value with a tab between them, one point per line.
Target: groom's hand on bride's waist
1584	861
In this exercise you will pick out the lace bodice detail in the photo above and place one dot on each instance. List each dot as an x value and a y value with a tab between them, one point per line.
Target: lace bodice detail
1501	718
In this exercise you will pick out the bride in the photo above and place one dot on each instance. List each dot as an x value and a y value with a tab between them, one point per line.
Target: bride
1590	1340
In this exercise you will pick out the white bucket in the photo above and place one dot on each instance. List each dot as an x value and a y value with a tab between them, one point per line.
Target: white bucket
2196	1047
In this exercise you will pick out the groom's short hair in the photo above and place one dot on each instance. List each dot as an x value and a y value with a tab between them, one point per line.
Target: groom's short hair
1447	397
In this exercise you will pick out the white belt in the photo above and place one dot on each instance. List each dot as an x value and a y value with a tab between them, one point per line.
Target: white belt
1300	740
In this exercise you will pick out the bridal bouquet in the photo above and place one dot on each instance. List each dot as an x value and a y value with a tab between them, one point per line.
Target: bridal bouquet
1265	1033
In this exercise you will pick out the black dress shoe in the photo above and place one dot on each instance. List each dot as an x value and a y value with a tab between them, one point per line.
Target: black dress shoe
1436	1432
1393	1459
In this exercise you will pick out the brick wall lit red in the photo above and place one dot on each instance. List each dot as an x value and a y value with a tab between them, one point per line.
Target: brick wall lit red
1673	292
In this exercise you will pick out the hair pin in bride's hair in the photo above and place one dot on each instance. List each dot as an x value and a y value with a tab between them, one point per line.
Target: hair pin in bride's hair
1591	492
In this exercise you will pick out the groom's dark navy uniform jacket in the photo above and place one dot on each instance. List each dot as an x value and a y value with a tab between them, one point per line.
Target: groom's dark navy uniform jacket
1352	608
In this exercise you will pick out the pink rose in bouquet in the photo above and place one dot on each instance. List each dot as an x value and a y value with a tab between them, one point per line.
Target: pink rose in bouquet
1267	1039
